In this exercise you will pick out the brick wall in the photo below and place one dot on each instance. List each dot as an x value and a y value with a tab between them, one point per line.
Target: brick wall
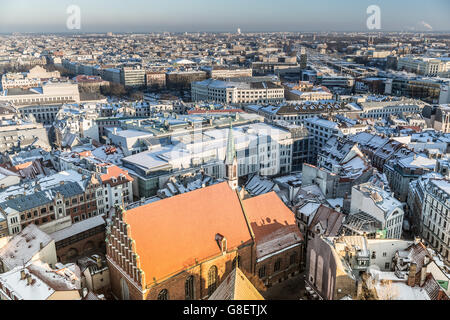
175	285
83	247
286	268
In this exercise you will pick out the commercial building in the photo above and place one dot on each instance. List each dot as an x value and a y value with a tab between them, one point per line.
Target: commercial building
261	148
31	79
155	79
431	67
237	92
222	73
132	76
49	93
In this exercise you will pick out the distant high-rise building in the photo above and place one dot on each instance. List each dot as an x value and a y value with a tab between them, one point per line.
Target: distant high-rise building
238	30
303	58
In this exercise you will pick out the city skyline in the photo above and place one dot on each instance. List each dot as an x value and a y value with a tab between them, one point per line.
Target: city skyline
203	16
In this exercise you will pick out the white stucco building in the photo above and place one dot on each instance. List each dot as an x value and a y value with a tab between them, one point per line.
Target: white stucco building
381	205
237	92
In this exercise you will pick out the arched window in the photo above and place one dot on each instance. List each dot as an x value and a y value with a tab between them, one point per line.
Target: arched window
163	295
189	288
277	265
212	279
293	258
262	272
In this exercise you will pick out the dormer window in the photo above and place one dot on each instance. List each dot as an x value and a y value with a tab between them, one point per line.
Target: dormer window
221	242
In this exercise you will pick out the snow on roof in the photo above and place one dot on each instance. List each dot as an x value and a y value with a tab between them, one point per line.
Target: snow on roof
419	161
442	184
400	291
275	245
322	122
336	202
24	246
384	200
59	280
39	290
309	209
258	185
77	228
43	183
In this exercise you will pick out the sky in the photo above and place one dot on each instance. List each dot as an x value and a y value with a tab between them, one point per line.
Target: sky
222	16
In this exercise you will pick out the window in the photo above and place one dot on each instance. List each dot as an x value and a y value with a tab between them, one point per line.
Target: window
277	265
189	288
293	258
163	295
384	254
212	279
387	265
262	272
374	255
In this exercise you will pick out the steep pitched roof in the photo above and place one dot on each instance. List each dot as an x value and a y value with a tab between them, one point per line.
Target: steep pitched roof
236	286
330	219
173	233
273	224
231	150
115	172
24	246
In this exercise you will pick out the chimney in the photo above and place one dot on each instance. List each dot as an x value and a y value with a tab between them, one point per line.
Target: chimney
22	274
222	242
412	275
41	245
423	275
359	289
242	193
29	280
99	262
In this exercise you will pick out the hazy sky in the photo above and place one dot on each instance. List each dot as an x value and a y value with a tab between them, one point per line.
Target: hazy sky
223	15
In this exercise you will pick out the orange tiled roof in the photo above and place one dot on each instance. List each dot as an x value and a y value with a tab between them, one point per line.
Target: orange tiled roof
269	217
273	224
171	234
115	171
85	154
21	166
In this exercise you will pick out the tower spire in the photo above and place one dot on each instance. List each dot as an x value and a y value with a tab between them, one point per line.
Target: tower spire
231	149
231	161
